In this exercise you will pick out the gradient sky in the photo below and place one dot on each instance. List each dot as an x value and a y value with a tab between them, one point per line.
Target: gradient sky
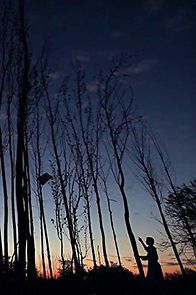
158	34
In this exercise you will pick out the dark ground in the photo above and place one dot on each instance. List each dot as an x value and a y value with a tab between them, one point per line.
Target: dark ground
113	280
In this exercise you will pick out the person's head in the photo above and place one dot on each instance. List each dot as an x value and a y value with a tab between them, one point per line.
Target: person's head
149	241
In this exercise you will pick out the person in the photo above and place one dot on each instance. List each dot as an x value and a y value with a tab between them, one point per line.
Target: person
154	273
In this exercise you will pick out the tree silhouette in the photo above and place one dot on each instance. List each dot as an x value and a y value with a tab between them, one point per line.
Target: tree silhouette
181	210
82	168
149	177
41	179
117	117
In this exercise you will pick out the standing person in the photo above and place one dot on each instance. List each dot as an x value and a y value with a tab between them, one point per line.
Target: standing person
154	273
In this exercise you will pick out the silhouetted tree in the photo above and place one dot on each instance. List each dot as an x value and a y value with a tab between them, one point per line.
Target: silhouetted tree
117	116
38	153
148	176
168	176
184	216
1	256
181	205
51	112
90	134
12	162
24	210
59	221
6	59
81	167
109	200
5	194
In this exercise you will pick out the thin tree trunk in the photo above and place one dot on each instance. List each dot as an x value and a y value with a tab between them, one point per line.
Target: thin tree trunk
121	185
21	265
21	194
12	183
68	213
70	226
84	188
44	229
5	204
160	153
147	169
80	84
47	244
170	237
85	192
43	226
42	245
100	217
188	228
30	240
1	256
130	232
112	225
96	190
90	230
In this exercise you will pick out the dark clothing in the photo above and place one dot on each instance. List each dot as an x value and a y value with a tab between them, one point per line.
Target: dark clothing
154	273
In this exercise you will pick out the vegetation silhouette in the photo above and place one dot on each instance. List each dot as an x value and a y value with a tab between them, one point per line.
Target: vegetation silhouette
101	281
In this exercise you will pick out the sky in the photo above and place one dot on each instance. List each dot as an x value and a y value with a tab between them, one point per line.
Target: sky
158	35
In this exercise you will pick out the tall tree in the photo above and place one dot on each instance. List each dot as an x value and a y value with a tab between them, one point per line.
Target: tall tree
109	200
182	204
148	176
172	186
82	169
38	153
6	59
91	140
52	111
5	193
12	165
117	115
59	221
25	237
1	256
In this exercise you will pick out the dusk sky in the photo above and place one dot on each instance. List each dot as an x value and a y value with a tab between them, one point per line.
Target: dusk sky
157	34
159	37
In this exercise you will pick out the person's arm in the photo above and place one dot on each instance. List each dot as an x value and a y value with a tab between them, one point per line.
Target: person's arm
144	257
141	241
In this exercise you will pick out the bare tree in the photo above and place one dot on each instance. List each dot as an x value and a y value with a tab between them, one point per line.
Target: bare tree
25	234
105	189
51	113
172	186
5	193
86	134
184	205
91	141
1	256
6	58
38	153
59	221
12	166
117	116
149	178
82	170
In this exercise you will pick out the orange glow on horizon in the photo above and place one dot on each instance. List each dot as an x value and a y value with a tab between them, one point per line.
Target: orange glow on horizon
167	269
